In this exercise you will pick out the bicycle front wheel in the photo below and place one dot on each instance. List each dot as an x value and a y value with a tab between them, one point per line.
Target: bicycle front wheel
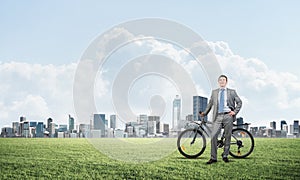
242	143
191	143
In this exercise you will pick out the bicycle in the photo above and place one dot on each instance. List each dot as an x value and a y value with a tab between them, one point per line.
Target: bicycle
191	142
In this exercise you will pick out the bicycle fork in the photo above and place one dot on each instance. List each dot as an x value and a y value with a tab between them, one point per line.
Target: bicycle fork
239	143
194	138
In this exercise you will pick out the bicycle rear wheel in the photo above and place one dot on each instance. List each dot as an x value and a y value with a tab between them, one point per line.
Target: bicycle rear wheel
191	143
242	143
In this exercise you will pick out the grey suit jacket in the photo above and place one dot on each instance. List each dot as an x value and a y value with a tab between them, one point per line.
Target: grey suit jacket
233	101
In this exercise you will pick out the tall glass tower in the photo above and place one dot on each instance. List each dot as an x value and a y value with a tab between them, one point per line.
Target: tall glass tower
282	122
100	124
176	112
113	121
199	104
71	123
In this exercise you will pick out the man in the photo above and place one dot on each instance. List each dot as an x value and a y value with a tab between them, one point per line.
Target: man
226	104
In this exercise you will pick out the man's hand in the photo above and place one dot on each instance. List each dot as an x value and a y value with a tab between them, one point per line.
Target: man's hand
202	114
231	113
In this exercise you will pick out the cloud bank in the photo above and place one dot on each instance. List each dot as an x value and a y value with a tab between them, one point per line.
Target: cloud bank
41	91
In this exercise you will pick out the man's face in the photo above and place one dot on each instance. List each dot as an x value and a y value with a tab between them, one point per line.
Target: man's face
222	82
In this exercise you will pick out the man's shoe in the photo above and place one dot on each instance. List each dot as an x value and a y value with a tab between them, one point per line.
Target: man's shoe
225	159
211	161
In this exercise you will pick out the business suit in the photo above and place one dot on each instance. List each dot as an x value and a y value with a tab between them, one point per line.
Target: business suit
234	103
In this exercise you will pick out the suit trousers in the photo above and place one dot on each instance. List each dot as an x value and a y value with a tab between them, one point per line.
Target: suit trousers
221	120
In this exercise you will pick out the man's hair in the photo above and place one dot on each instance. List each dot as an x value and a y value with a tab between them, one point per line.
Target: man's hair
223	77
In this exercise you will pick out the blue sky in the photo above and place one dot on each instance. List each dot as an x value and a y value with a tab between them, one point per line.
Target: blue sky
58	32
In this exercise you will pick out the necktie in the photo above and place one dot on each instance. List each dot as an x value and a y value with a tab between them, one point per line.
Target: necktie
221	103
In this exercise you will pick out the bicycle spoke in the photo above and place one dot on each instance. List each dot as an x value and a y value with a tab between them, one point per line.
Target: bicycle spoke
242	143
191	143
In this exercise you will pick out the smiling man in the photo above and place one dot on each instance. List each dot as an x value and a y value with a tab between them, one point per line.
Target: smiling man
226	104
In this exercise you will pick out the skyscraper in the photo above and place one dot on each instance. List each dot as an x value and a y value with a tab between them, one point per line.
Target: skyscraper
99	123
296	127
273	125
176	112
291	129
25	129
63	128
16	128
157	122
40	129
49	121
85	130
51	129
22	119
151	127
71	124
7	132
199	104
239	122
282	122
142	119
113	121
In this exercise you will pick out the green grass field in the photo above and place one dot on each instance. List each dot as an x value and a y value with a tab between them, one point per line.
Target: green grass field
79	159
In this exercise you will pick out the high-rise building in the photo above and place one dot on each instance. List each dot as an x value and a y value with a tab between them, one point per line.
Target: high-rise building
291	129
240	122
100	123
129	125
199	104
51	129
25	129
273	125
130	131
85	130
282	122
176	113
32	124
140	130
296	127
62	128
71	123
285	127
7	132
142	119
112	119
164	129
151	127
22	119
254	131
119	133
40	129
16	128
21	127
157	121
32	128
49	121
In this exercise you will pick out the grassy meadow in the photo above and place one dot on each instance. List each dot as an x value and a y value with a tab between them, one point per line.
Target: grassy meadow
81	159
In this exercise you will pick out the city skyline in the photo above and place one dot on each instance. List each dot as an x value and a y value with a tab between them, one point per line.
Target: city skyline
149	127
99	120
143	126
255	45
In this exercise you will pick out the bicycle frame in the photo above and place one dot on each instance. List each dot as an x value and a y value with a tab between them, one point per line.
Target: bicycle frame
203	130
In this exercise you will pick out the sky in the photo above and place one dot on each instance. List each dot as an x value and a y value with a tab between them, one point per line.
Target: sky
42	42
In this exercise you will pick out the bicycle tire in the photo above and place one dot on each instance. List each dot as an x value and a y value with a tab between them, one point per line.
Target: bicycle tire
186	137
245	137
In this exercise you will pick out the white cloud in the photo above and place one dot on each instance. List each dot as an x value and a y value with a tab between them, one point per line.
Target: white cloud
268	93
36	91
